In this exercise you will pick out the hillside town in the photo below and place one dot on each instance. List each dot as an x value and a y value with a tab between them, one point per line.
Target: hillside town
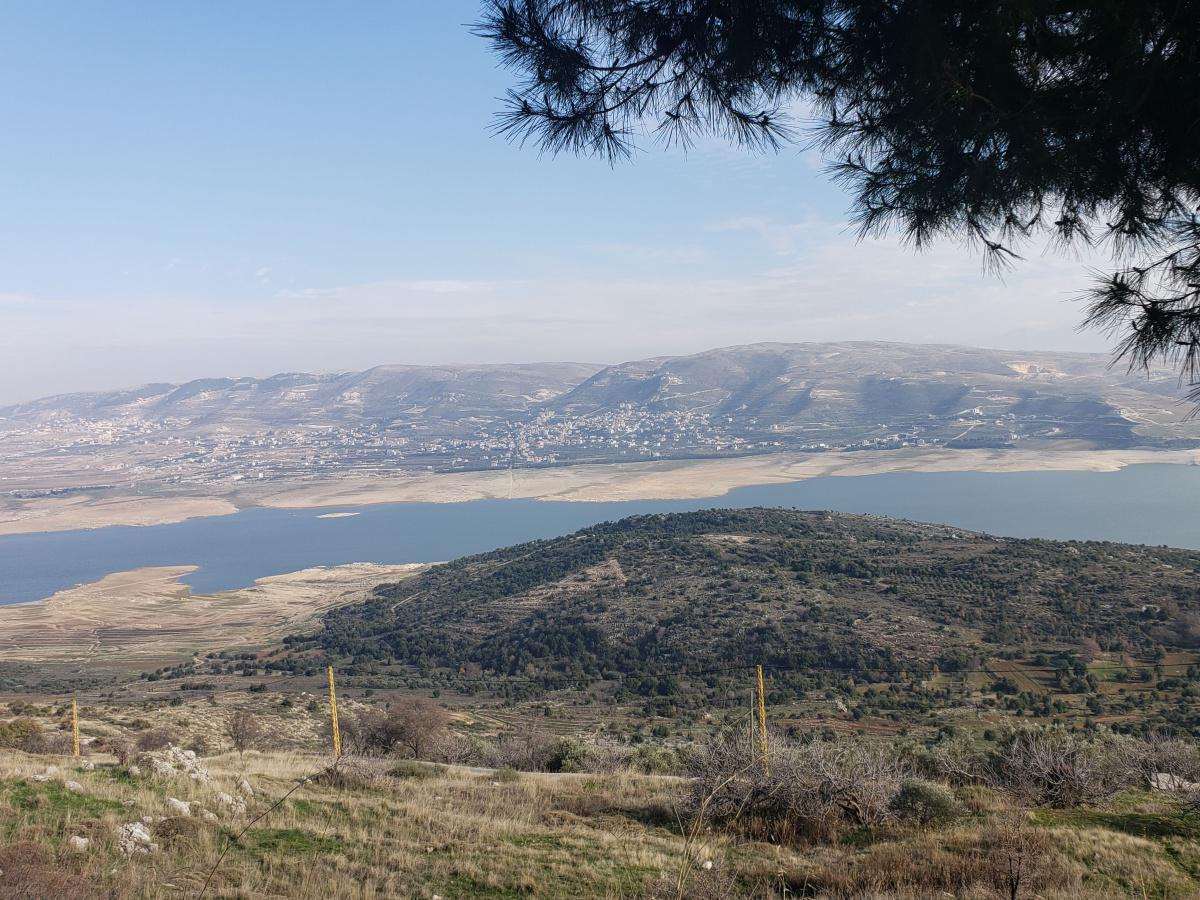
63	451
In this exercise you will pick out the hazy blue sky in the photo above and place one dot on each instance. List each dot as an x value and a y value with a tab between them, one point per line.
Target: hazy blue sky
226	187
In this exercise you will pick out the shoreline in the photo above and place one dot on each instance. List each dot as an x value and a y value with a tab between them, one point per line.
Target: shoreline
149	614
659	480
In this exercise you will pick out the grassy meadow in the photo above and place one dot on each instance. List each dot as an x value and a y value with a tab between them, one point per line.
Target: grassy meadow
400	828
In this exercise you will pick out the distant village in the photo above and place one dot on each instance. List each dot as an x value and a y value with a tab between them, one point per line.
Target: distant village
183	452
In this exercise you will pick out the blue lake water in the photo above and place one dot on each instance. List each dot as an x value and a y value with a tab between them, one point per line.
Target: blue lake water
1146	504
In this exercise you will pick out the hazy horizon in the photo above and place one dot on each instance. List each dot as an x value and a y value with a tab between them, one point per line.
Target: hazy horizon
238	207
264	374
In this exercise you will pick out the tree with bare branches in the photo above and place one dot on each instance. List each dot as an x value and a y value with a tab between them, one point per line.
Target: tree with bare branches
244	730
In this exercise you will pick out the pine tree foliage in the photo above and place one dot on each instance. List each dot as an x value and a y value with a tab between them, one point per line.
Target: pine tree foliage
991	122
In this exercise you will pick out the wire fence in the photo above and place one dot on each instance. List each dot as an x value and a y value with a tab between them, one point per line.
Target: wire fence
754	714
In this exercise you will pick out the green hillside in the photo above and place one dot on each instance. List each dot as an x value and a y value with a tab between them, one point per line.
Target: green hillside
675	608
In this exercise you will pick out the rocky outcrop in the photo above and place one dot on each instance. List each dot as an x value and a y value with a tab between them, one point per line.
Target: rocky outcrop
133	839
174	762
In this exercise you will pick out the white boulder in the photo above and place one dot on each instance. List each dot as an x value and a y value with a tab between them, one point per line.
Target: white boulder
1166	781
175	762
134	838
235	805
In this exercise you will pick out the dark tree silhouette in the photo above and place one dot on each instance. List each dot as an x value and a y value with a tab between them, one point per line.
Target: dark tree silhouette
991	122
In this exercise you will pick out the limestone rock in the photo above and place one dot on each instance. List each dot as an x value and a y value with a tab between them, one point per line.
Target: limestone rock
78	844
1165	781
134	838
179	807
235	805
174	762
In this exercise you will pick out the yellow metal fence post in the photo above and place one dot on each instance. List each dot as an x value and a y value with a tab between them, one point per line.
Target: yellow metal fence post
762	721
75	727
337	734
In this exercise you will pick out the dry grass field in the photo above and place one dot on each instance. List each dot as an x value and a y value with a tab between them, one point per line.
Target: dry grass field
280	823
429	832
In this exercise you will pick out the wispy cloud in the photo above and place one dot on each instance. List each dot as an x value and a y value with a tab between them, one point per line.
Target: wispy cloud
825	286
650	253
784	238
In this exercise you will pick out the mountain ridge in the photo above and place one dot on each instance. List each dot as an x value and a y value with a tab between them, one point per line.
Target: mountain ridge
727	401
142	389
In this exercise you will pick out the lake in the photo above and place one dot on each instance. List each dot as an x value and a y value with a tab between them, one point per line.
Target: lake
1146	504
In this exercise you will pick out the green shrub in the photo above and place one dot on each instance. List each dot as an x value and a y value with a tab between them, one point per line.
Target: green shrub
409	768
15	734
567	755
925	802
651	760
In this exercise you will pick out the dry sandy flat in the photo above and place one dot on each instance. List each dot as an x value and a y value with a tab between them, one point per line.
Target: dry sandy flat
80	511
147	614
698	478
674	480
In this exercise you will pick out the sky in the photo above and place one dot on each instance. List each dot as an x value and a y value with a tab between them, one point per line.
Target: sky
229	188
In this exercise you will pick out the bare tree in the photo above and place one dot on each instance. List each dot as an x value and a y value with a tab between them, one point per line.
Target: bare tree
1057	767
244	730
813	789
363	732
1168	763
1016	853
156	739
417	725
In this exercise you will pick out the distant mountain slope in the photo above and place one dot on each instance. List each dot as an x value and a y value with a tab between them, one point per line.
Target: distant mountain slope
796	388
382	394
731	401
789	385
687	596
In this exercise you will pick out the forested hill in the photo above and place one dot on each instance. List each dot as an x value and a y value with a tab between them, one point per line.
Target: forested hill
654	599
